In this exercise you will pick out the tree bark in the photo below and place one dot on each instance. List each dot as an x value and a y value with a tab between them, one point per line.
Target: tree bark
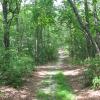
90	45
6	34
96	21
6	26
85	30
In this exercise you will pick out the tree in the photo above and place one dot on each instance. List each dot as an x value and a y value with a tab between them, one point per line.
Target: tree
85	28
9	12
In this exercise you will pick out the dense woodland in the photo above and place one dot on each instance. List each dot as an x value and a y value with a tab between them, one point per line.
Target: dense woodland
32	33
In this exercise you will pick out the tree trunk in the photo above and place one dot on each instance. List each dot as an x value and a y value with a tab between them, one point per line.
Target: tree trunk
90	45
6	27
38	43
96	24
85	30
6	33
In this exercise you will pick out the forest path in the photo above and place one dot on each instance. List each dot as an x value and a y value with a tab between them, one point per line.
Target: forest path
74	73
36	82
44	74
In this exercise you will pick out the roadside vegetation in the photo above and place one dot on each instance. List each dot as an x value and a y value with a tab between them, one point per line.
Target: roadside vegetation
60	89
32	33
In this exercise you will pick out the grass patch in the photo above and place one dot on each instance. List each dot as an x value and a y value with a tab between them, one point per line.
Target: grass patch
61	91
46	82
1	94
43	96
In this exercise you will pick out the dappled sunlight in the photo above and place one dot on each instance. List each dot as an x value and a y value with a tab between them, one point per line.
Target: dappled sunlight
49	49
45	73
73	72
63	54
90	94
44	84
51	88
54	88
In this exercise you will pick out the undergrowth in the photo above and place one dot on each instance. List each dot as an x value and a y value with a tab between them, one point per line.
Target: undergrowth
92	73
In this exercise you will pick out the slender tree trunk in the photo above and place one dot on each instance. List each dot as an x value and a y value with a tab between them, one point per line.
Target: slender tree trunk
6	33
85	30
6	27
38	43
90	45
18	40
96	24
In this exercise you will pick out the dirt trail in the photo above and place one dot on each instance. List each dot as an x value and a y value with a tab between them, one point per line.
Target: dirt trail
76	76
34	82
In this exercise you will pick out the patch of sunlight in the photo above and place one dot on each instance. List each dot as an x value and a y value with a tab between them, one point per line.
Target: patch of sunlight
46	82
89	93
93	93
46	90
58	2
50	85
73	72
47	66
58	88
45	73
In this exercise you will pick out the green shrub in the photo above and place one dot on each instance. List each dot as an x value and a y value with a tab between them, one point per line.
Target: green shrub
51	52
46	54
96	82
63	88
93	71
20	65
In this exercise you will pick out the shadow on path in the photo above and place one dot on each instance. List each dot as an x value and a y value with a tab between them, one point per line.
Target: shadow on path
35	82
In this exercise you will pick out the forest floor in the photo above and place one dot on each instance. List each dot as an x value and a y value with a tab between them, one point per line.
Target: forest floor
36	82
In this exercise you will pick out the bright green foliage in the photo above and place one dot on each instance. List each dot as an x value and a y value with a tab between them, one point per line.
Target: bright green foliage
33	40
78	42
31	34
43	19
63	91
96	82
92	74
20	66
83	35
